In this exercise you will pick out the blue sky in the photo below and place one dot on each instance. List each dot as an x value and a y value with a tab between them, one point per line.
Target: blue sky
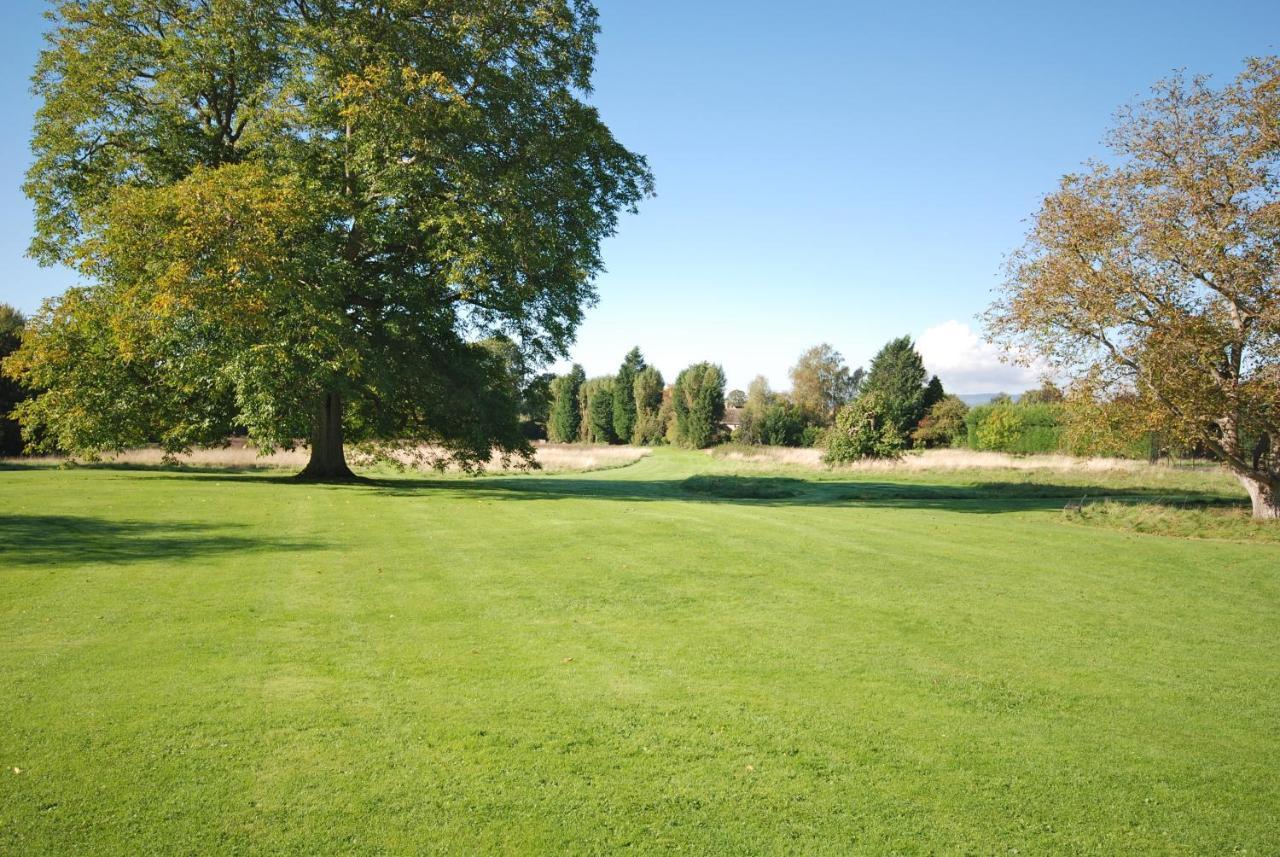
827	171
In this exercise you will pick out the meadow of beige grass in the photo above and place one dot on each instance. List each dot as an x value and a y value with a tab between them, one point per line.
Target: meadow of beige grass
559	457
552	457
932	460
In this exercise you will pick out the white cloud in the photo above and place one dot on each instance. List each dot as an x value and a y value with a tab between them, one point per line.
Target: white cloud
967	363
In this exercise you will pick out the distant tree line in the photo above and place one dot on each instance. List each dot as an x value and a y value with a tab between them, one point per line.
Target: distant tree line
851	413
893	406
636	406
829	404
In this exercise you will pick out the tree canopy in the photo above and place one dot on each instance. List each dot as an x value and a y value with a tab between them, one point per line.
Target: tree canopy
597	397
821	382
942	424
647	395
1152	280
698	402
563	422
624	400
300	217
12	323
897	375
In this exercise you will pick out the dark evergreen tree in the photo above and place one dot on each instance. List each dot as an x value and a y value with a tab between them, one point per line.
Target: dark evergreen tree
897	376
563	421
624	402
647	393
597	401
933	393
698	401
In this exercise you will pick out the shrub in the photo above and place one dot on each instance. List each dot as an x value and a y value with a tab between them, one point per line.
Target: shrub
1019	429
1001	429
1042	427
782	424
943	425
864	429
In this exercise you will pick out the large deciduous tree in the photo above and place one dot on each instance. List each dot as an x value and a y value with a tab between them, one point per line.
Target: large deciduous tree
300	217
1154	280
757	401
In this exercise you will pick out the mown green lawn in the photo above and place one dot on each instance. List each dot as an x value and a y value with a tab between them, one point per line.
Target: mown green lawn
206	663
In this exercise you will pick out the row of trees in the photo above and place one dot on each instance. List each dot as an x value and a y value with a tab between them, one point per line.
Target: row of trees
906	405
636	406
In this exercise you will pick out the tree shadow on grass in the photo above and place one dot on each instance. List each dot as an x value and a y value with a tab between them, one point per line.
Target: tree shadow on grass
64	539
981	498
776	491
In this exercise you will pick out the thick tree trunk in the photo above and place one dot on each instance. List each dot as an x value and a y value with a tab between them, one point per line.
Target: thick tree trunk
328	460
1265	494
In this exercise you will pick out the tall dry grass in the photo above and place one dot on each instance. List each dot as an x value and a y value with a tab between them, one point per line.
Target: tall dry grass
238	455
561	457
935	460
552	458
